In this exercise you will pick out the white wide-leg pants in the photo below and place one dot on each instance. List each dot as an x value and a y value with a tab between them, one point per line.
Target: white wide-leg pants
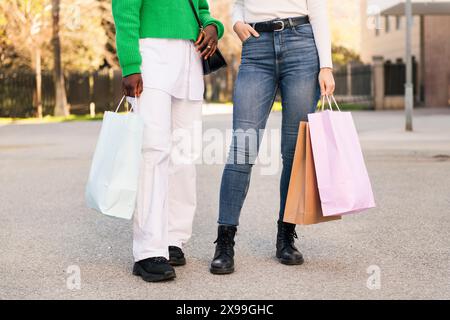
166	200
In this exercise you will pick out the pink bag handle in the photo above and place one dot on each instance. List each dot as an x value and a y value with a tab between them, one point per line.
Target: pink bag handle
322	107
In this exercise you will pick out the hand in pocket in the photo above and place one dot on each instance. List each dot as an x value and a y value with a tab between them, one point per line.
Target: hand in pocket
244	31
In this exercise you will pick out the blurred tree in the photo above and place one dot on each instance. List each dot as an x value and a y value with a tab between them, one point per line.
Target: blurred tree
343	55
26	37
230	45
8	57
345	23
25	28
110	33
61	108
84	37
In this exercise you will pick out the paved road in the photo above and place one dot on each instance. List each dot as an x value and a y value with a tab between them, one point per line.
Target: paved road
45	227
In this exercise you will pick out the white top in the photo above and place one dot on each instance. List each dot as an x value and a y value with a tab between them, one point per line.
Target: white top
173	66
251	11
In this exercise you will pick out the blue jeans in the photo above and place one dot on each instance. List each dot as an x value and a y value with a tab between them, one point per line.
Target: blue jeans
285	60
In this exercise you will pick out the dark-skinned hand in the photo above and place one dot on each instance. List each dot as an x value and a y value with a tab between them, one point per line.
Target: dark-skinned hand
132	85
206	42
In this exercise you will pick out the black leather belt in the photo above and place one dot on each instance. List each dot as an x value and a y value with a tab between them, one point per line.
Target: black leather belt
279	24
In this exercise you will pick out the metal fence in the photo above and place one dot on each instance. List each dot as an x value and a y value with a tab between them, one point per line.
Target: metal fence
362	80
17	95
103	88
340	77
395	78
18	92
354	84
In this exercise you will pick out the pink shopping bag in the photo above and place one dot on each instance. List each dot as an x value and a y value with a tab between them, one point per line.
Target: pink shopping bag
342	179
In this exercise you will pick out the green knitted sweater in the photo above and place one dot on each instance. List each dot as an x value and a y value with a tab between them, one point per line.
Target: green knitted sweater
172	19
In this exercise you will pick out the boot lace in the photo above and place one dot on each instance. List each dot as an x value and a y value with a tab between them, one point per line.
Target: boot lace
159	260
289	236
225	245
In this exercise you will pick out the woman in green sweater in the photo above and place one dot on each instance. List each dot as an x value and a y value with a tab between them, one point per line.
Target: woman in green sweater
160	48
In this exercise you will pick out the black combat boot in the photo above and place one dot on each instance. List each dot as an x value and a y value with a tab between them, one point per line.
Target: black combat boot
154	269
223	262
287	253
176	256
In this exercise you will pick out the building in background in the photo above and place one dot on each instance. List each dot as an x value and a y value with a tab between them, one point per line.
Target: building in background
383	38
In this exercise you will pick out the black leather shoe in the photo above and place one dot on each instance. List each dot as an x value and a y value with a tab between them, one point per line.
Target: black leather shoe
176	256
154	269
287	253
223	261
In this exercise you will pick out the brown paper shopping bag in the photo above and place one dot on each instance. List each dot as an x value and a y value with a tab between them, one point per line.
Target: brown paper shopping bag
303	201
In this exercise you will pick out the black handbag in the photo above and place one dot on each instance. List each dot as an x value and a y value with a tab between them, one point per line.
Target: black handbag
216	61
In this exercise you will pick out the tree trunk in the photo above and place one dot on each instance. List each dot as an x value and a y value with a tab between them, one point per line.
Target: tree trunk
60	91
38	72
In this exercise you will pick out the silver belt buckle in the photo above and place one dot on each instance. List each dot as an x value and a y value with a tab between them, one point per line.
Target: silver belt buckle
282	25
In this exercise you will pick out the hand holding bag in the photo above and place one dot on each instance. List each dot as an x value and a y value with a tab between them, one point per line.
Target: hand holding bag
113	179
303	203
216	61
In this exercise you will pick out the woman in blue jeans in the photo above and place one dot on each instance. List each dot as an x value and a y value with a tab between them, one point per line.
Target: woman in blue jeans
286	46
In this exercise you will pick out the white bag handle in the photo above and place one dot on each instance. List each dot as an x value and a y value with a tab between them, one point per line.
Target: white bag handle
123	98
322	107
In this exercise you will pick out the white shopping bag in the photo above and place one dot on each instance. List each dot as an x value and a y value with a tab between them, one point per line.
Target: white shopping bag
113	179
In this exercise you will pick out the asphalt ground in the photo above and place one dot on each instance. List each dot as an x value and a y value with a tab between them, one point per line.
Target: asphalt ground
47	234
